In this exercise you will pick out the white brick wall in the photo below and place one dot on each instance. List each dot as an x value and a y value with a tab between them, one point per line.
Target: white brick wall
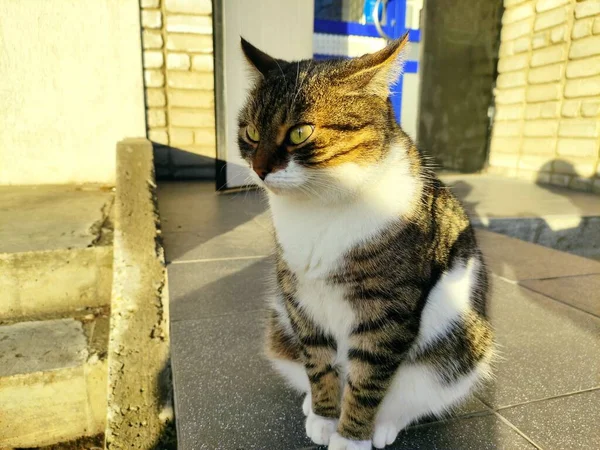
177	38
547	119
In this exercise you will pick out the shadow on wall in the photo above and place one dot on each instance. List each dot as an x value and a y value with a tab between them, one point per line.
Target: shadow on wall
172	163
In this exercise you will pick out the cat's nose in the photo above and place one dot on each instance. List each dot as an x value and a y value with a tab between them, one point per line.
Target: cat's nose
262	173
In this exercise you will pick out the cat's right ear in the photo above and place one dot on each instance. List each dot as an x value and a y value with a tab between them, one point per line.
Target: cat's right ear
257	58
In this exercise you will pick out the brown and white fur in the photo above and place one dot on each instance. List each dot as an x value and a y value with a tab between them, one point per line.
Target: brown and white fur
379	311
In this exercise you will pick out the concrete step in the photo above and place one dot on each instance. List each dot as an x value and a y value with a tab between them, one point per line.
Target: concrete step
55	250
53	377
551	216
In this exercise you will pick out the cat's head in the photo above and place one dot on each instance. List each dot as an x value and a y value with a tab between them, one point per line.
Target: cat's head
319	127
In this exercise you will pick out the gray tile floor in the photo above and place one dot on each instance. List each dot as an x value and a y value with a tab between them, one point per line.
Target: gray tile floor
544	306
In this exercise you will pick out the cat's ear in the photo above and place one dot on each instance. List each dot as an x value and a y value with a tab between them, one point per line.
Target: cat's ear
259	59
377	71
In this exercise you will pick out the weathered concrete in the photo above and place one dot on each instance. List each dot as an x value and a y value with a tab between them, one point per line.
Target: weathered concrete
139	371
52	381
547	215
40	218
35	285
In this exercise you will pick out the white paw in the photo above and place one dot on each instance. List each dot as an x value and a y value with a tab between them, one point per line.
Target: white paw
385	434
319	428
338	442
307	405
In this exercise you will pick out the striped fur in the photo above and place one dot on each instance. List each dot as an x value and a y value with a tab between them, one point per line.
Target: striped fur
379	312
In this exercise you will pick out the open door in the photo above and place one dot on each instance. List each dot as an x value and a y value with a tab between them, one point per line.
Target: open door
283	29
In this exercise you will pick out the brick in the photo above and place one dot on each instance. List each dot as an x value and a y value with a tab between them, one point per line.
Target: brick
507	128
504	160
543	177
574	166
590	108
581	184
189	6
151	19
519	13
189	24
178	61
545	5
154	78
190	43
540	40
535	162
584	67
582	28
582	48
511	79
522	45
152	39
578	147
205	136
192	118
549	55
181	136
153	59
539	146
596	27
159	136
546	74
586	9
570	108
508	96
533	111
559	34
582	87
540	128
156	118
190	80
550	19
203	63
509	3
509	112
193	155
506	49
505	145
543	92
579	128
560	180
514	30
155	97
550	110
191	99
503	171
512	63
150	3
529	175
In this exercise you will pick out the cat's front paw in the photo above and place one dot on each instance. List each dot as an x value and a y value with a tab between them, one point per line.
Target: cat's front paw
338	442
319	429
385	434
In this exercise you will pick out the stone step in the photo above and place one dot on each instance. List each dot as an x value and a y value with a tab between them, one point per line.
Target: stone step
53	377
55	250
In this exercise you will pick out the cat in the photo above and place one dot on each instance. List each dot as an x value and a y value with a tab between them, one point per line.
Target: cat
379	314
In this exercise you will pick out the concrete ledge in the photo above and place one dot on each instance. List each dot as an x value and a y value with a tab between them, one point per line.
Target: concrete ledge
139	372
35	285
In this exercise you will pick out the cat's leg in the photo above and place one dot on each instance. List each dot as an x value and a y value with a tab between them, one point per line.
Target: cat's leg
285	353
377	349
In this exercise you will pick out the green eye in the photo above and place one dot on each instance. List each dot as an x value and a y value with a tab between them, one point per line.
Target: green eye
300	134
252	133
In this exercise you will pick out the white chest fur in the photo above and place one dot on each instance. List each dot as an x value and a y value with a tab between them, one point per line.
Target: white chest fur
315	237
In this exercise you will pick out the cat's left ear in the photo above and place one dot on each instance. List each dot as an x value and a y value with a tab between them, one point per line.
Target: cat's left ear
378	71
259	59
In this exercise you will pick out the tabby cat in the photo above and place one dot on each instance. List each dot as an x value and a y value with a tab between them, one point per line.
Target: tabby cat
379	313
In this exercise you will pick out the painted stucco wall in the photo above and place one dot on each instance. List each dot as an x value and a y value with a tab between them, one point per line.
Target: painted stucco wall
72	86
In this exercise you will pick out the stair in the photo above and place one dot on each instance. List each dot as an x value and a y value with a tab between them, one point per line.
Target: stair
55	287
